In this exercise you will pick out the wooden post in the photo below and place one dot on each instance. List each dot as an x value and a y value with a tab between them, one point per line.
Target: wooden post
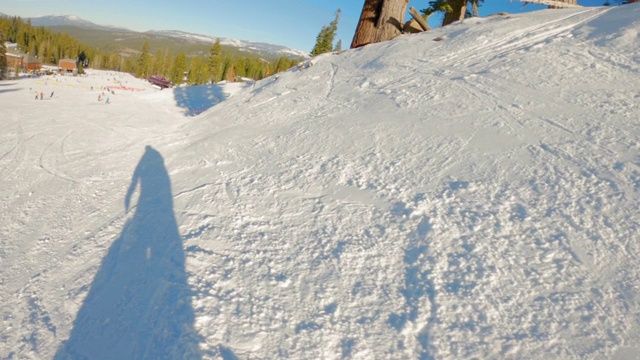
416	15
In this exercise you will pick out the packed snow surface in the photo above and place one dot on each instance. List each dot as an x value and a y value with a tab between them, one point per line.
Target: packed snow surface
468	192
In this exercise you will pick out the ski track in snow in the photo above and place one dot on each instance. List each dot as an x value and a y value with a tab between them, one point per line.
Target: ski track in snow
471	197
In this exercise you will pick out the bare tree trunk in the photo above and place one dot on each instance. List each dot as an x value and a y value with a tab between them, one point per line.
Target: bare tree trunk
391	20
475	10
416	16
366	30
380	20
459	10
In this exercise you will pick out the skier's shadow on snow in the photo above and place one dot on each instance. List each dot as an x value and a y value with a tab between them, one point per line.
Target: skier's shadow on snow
139	306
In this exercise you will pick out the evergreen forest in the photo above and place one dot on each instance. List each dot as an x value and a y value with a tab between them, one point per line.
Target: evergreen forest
219	64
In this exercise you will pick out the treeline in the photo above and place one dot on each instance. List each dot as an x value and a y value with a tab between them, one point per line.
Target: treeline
38	41
218	65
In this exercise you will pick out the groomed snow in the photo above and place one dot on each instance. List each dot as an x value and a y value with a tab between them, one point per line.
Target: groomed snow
468	192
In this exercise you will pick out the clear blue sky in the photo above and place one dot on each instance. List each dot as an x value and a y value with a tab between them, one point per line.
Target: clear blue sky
293	23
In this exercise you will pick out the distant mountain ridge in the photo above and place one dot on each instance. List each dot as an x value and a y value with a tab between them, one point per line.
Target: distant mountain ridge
69	20
77	27
242	44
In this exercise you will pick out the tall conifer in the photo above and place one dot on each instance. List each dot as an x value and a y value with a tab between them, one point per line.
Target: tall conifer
215	62
144	61
178	69
3	59
198	72
324	40
338	46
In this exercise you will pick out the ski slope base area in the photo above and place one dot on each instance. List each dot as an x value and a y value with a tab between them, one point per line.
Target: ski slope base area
467	192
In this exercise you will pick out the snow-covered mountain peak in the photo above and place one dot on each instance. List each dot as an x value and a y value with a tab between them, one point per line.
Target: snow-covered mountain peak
57	20
245	45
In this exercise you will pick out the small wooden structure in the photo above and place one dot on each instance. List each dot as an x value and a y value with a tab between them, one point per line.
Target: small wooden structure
68	66
159	81
32	63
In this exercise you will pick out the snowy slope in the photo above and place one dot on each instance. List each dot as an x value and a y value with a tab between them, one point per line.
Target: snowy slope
467	192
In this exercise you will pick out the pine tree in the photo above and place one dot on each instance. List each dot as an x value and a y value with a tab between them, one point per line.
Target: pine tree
198	72
338	46
82	58
144	61
12	34
228	69
324	40
43	51
457	13
436	6
319	47
167	64
114	61
157	63
240	65
178	69
3	59
215	62
333	26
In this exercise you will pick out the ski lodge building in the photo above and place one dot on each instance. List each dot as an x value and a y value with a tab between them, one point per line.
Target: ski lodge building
18	59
